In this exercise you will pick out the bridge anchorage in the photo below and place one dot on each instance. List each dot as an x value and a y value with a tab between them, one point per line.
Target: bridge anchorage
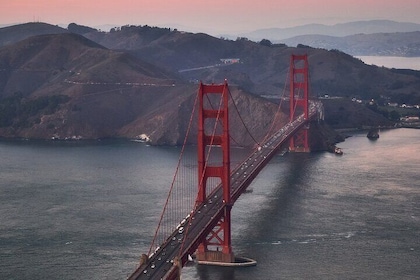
206	230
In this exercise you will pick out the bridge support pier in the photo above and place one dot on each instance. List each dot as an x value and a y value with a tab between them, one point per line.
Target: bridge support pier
214	257
217	246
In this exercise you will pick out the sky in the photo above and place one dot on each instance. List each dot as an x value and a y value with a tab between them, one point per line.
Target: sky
214	17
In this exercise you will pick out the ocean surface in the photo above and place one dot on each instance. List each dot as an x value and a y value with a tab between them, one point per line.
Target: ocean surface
88	210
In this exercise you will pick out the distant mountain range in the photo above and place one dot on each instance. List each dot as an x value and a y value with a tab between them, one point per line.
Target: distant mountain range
337	30
371	38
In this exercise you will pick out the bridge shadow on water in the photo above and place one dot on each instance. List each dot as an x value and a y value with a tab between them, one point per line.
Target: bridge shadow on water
268	222
284	200
213	273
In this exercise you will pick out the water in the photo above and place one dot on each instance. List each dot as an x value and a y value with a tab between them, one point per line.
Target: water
392	61
87	211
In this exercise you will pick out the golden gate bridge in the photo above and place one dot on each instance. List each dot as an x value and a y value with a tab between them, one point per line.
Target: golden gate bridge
196	219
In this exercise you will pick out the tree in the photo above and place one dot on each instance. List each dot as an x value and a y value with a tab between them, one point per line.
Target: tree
394	115
265	42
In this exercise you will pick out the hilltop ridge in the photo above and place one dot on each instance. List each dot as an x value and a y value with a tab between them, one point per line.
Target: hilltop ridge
12	34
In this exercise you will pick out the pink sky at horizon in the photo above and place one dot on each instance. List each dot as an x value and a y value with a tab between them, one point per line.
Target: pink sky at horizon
213	17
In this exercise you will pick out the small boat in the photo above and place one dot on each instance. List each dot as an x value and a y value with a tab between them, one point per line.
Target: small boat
334	149
338	151
373	134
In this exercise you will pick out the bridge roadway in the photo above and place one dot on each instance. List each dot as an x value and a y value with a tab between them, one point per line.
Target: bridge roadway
196	226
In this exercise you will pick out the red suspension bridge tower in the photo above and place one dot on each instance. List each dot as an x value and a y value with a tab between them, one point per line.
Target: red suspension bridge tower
217	246
299	93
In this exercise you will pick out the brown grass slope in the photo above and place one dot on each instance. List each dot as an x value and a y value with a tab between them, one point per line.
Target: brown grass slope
107	89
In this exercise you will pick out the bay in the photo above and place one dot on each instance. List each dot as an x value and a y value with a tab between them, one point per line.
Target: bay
397	62
82	210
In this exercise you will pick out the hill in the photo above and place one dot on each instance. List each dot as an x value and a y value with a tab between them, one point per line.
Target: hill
70	58
102	88
262	68
142	80
384	44
65	86
344	114
12	34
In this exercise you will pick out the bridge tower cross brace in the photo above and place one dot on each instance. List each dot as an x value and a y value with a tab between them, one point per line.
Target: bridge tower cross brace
299	96
220	236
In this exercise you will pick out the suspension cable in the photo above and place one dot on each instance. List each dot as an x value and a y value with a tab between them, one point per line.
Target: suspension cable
268	134
242	121
176	172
